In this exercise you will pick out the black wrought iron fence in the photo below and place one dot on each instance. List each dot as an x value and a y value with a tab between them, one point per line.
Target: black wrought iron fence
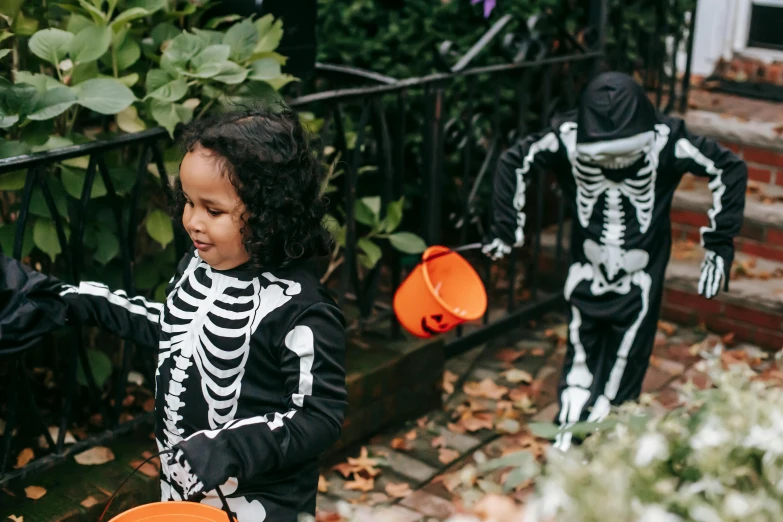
433	141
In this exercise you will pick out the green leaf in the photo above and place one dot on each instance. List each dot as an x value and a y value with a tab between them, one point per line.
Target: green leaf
407	243
9	149
36	133
10	8
128	16
160	292
517	477
279	58
242	38
108	247
24	26
54	142
73	181
38	204
210	37
4	52
269	34
104	95
7	236
128	81
168	115
7	121
374	204
157	78
146	276
20	98
373	252
393	215
230	74
281	81
51	44
183	48
159	227
12	180
90	44
150	5
45	238
264	69
123	178
129	121
52	103
77	22
212	54
170	92
163	32
364	214
41	82
83	72
100	367
128	53
5	35
97	15
215	22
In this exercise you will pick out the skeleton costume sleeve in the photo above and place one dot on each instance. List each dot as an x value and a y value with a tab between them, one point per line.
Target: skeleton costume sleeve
528	157
728	179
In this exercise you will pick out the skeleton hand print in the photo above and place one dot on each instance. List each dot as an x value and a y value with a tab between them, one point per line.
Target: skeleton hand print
712	275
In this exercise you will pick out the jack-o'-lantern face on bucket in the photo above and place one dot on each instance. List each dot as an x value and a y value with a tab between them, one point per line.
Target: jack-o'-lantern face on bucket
436	324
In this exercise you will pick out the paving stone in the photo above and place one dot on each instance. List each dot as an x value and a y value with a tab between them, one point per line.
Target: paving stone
458	441
655	379
547	414
429	505
397	514
326	504
405	465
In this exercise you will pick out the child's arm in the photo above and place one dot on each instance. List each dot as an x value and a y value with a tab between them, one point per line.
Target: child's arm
312	360
728	180
522	160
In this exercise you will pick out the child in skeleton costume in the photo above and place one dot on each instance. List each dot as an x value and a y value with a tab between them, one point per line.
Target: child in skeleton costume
618	163
250	381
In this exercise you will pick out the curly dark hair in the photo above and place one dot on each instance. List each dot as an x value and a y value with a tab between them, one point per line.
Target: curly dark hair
269	159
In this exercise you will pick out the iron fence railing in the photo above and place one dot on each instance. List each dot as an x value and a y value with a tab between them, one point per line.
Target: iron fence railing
434	140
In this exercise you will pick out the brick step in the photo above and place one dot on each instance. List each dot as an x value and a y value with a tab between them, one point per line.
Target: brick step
752	309
762	233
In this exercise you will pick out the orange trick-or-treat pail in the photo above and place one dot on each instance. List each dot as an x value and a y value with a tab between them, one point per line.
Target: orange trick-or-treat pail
172	512
439	294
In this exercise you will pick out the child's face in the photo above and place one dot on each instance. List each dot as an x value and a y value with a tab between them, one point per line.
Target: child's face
213	211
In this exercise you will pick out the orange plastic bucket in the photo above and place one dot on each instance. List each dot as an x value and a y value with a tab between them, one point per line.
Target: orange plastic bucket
439	294
172	512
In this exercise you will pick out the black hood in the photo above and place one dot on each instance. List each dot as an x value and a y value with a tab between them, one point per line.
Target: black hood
614	106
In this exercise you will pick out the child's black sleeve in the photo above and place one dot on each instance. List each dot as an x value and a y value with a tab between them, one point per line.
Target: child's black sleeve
313	364
728	179
523	160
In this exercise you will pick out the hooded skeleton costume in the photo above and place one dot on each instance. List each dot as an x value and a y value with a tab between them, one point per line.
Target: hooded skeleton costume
250	380
618	163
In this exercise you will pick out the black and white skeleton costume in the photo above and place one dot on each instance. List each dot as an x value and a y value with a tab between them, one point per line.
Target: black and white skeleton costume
250	380
618	162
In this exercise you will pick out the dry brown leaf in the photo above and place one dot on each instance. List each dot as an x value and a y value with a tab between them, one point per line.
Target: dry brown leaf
401	490
447	455
456	428
516	375
538	352
667	328
54	433
328	516
422	422
25	456
509	355
411	435
486	388
89	502
94	456
439	442
497	507
364	464
343	469
34	492
360	483
148	468
323	484
398	443
475	423
15	518
449	379
728	339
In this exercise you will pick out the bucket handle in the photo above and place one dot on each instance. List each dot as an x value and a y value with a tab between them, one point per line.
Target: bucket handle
463	248
111	499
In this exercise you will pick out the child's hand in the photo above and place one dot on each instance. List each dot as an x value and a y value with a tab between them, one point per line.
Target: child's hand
496	249
189	484
712	275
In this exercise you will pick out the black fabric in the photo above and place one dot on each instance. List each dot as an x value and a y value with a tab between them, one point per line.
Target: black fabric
614	106
250	385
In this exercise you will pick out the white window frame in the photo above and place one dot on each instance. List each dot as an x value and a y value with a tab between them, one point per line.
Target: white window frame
742	30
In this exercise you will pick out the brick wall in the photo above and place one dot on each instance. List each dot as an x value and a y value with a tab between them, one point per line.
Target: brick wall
764	166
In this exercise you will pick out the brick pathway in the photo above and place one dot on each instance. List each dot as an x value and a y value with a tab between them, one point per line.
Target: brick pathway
427	455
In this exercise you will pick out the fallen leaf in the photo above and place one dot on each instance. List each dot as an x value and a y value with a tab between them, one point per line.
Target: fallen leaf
94	456
516	375
455	428
360	483
328	516
538	352
478	422
343	469
447	455
323	484
510	426
34	492
25	456
54	433
411	435
89	502
149	405
728	339
439	442
15	518
148	469
486	388
398	443
364	464
509	355
667	328
497	507
449	378
422	422
401	490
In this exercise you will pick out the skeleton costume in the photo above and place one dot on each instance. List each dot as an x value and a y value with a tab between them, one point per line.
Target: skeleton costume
618	163
250	381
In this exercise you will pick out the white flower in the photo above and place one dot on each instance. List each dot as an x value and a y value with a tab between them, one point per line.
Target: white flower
712	434
736	505
652	446
656	513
